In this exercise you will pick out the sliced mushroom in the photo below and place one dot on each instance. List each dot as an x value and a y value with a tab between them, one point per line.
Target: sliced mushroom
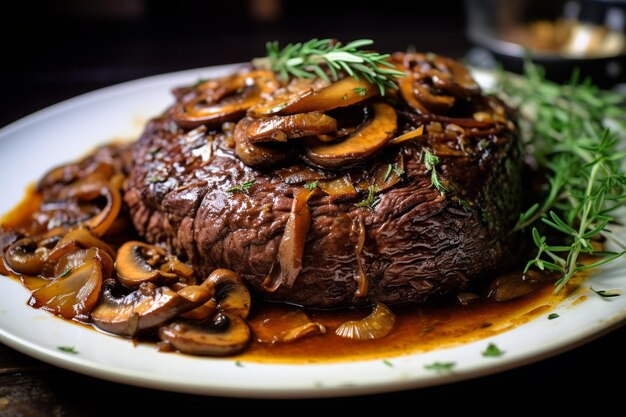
136	263
230	292
361	144
338	188
147	307
26	256
226	334
342	93
281	128
225	100
256	155
71	296
376	325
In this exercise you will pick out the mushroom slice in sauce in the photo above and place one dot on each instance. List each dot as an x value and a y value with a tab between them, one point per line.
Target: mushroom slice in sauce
288	328
281	128
136	263
226	334
147	307
359	145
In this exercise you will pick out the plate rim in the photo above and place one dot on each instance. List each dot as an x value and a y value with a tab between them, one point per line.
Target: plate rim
147	379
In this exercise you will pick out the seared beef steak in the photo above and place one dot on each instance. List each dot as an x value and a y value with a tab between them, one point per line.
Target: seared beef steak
419	241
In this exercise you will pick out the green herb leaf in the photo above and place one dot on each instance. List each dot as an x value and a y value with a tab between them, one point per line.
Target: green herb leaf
311	185
553	316
65	273
324	58
68	349
241	188
388	363
430	161
441	367
399	171
371	201
238	364
572	131
388	172
492	351
360	91
606	293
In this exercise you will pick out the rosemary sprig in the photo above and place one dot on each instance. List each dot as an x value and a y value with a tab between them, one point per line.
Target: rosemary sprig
321	57
430	161
572	132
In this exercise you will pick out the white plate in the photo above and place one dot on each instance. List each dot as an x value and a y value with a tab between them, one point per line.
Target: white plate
67	130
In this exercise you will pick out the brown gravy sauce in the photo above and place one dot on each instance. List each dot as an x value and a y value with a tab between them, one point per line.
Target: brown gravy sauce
417	329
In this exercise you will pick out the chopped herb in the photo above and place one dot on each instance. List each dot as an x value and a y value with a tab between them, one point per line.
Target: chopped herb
241	188
431	160
387	363
68	349
199	82
440	367
388	173
154	151
66	272
371	201
492	351
553	316
607	293
344	97
360	91
153	179
238	364
311	185
399	171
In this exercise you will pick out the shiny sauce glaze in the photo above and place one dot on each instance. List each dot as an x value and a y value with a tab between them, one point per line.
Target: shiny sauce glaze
418	328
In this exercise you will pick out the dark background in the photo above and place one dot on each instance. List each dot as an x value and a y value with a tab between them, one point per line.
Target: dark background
81	45
54	50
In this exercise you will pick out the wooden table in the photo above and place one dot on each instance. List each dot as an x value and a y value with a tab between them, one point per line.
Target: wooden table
76	56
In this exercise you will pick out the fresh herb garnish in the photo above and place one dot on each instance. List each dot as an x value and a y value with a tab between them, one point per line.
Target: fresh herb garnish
241	188
360	91
492	351
387	363
65	273
238	364
566	130
606	293
399	171
388	172
321	57
440	367
68	349
553	316
371	201
153	179
431	160
311	185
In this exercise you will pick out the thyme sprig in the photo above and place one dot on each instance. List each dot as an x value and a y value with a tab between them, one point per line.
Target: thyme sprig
321	57
430	161
572	132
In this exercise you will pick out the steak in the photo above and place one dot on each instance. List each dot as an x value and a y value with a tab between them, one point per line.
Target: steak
185	192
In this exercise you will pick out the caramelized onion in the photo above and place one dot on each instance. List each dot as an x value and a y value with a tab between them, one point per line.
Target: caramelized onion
360	277
291	248
74	295
407	136
288	328
375	326
338	188
224	100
